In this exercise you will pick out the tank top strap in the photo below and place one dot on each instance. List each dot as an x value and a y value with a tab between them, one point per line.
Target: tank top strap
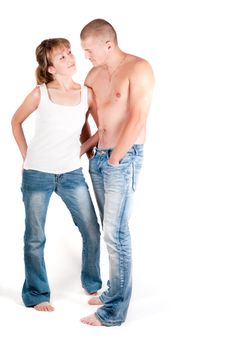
44	91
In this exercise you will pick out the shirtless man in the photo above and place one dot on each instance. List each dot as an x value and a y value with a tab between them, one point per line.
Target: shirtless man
123	86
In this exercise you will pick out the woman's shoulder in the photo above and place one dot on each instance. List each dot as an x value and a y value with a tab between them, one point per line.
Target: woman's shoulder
77	86
34	94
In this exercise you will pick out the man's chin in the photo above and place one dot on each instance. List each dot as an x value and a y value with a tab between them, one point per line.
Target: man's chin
94	63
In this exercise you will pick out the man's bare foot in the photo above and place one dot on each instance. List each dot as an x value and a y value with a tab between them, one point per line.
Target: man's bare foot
45	306
91	320
95	301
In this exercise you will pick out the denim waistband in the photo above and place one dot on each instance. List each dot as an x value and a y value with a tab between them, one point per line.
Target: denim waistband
136	149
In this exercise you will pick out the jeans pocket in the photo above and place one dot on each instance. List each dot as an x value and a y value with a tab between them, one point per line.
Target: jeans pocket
112	165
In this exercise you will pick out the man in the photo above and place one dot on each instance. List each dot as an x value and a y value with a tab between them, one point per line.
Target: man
123	86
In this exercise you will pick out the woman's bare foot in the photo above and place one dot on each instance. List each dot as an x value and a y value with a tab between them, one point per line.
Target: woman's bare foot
95	301
91	320
45	306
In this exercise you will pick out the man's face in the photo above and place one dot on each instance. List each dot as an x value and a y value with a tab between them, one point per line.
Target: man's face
95	50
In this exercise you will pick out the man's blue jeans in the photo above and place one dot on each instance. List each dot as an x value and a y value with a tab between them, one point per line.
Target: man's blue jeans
37	188
114	187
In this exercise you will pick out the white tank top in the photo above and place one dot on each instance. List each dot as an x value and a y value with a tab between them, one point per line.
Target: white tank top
55	147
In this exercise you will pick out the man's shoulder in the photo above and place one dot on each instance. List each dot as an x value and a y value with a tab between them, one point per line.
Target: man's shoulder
91	76
138	65
136	62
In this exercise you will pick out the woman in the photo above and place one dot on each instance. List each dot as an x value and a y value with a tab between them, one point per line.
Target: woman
51	163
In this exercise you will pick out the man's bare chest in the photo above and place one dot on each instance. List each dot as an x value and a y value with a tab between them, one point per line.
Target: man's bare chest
111	93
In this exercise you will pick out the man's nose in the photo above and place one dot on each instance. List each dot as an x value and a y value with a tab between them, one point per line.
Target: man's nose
87	55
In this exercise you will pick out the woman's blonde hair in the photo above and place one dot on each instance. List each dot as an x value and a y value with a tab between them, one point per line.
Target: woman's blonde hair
43	54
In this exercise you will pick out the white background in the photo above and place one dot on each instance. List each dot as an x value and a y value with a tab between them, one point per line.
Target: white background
181	225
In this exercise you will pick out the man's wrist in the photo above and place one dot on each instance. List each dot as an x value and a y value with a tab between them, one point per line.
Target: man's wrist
113	161
90	153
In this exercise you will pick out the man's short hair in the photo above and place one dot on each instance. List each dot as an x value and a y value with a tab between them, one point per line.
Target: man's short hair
99	28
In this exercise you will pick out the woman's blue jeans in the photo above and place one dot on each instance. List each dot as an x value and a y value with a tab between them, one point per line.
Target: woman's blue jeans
114	187
37	188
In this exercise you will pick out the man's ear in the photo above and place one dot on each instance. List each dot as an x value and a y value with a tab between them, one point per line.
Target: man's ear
51	70
108	45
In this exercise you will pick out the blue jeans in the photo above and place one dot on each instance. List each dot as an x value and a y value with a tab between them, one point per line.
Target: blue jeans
114	187
37	188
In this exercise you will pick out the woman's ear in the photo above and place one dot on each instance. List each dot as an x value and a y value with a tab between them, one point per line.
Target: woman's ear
51	70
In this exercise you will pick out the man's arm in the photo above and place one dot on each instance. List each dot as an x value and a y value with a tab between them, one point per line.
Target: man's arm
88	145
140	96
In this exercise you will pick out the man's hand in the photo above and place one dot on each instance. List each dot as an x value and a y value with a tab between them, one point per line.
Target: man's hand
90	153
113	161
